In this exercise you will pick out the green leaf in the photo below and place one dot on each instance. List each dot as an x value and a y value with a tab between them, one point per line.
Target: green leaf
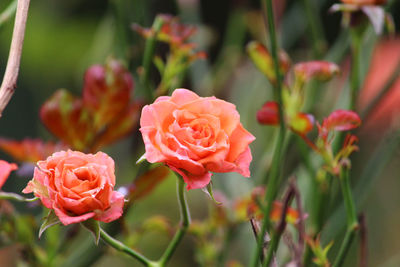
50	220
93	226
208	190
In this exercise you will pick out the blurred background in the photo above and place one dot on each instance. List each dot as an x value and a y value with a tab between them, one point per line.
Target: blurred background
63	38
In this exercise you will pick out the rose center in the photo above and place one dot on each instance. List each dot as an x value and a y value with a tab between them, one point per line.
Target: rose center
82	174
201	129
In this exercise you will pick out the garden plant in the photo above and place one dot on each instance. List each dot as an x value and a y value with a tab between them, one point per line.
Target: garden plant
199	133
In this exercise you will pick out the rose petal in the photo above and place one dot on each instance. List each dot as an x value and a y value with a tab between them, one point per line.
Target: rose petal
241	165
160	152
157	114
243	162
193	181
225	111
115	210
182	96
66	219
239	141
79	206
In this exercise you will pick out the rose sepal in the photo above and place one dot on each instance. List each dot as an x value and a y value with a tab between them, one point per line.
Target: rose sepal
93	227
50	220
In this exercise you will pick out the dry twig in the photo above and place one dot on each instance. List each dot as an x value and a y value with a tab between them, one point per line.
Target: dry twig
14	57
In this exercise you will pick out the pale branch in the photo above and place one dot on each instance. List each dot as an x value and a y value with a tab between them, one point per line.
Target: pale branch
14	57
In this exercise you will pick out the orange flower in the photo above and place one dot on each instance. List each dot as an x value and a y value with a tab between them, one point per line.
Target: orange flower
195	136
77	186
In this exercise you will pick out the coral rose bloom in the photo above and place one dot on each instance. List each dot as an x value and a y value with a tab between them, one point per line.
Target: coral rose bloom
77	186
195	136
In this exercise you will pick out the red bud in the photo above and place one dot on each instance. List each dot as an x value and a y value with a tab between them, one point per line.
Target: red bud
269	113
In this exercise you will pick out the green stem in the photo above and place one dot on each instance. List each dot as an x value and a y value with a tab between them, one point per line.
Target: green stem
123	248
184	224
352	222
8	12
314	22
148	57
16	197
355	82
274	174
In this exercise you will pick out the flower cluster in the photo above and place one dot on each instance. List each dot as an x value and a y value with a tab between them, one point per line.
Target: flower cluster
293	92
182	52
337	121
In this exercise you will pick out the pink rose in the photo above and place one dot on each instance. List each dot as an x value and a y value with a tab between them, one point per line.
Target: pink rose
77	186
5	170
195	136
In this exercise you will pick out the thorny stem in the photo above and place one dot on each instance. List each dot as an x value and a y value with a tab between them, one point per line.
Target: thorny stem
274	174
352	222
123	248
184	224
14	57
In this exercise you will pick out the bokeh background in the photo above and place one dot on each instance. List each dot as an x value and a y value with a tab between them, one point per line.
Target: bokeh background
63	38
